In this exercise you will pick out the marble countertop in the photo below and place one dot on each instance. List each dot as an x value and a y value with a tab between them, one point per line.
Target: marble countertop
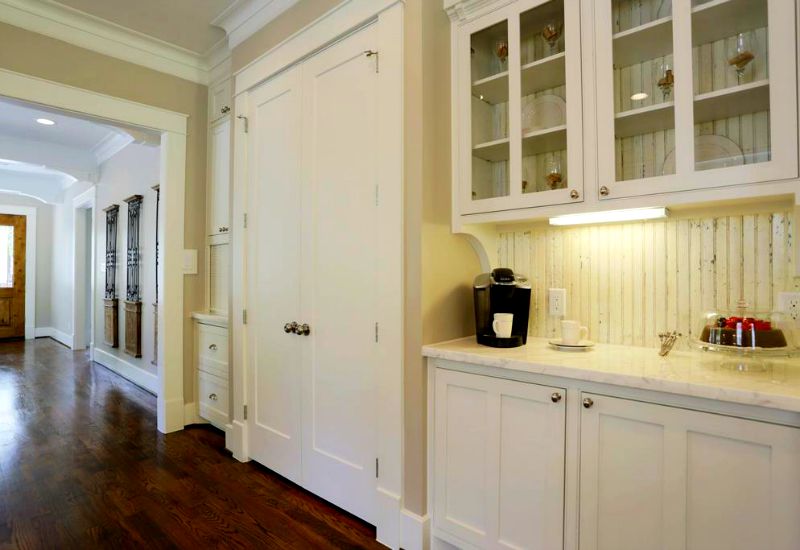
692	373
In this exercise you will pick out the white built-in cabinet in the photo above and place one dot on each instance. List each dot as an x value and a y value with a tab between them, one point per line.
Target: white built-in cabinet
569	105
219	176
211	368
220	99
639	475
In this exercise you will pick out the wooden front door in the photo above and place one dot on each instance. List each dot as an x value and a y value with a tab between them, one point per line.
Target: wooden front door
12	276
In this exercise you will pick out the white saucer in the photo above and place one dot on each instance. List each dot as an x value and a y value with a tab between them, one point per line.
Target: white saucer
580	346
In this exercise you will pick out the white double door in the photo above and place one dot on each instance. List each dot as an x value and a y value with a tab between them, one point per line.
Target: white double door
312	246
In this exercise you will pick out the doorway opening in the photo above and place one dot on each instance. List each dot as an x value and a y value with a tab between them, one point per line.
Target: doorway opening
12	276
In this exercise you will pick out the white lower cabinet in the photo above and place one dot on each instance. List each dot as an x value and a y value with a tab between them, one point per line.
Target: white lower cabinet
211	369
657	477
499	462
649	476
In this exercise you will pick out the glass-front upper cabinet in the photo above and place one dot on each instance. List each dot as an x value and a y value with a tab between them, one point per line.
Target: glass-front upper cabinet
518	125
694	94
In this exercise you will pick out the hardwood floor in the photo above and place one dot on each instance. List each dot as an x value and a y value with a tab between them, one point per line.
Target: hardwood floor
82	466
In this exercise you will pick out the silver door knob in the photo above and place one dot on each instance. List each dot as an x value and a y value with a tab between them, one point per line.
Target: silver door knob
290	328
587	402
555	397
304	330
574	195
213	397
213	347
604	191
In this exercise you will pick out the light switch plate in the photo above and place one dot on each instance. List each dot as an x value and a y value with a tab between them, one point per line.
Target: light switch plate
557	301
190	261
789	303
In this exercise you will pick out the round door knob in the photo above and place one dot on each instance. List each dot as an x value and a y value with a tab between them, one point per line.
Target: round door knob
587	402
574	194
304	330
555	397
213	397
604	191
289	328
213	347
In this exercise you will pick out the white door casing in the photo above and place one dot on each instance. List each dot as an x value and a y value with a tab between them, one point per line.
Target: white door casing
274	266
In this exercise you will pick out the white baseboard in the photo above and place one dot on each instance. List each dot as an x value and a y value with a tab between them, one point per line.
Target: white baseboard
54	333
190	415
388	519
30	332
236	440
137	375
170	415
414	530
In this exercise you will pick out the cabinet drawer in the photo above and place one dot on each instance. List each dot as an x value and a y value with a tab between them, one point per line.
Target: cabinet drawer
212	366
212	394
212	343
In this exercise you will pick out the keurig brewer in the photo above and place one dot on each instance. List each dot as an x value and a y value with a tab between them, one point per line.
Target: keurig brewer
501	291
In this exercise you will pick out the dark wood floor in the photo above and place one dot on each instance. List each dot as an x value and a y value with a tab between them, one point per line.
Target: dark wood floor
82	466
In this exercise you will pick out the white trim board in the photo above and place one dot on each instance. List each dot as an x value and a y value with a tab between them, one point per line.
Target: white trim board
55	334
30	263
414	530
129	371
84	201
245	17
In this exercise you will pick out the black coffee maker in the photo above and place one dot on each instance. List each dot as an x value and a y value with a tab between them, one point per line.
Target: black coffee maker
501	291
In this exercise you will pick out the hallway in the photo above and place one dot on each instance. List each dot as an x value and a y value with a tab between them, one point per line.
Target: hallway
82	465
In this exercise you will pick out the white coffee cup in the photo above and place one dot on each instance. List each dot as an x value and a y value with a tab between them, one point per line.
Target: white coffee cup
572	332
502	324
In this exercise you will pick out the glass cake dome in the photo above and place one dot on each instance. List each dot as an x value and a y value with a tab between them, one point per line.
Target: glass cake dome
746	332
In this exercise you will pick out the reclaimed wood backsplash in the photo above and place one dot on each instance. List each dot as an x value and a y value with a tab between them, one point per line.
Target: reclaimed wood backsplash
628	282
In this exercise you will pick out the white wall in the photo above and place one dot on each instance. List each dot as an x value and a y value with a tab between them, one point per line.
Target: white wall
44	247
133	171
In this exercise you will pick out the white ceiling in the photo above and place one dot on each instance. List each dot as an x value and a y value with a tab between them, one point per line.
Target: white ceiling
183	23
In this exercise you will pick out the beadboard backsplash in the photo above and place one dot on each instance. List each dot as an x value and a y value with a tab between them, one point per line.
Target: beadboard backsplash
628	282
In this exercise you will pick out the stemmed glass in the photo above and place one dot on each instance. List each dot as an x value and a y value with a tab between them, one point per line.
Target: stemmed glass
551	33
743	56
667	80
554	175
501	51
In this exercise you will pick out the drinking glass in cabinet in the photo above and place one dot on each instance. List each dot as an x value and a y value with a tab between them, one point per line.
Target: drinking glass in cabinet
644	80
543	107
489	52
731	83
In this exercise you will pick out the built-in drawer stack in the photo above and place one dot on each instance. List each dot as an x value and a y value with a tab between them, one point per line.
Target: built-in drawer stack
211	360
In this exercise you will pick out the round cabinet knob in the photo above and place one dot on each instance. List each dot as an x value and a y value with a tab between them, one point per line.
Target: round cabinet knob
587	402
555	397
213	397
574	195
604	191
290	328
304	330
213	347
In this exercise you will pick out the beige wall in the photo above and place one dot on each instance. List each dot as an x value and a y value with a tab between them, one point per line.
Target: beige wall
439	265
30	53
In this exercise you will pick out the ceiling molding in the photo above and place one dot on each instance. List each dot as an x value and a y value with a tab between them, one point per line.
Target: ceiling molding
110	145
244	17
92	33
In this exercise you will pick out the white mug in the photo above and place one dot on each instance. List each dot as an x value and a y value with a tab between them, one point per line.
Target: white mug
572	332
502	324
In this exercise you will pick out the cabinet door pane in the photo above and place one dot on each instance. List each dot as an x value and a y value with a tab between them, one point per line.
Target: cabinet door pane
490	143
543	105
731	83
644	114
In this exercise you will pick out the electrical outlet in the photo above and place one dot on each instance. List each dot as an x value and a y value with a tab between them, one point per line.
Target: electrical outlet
557	300
789	303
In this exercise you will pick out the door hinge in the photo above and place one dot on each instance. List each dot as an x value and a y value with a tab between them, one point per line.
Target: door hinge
244	316
376	332
370	53
245	412
377	468
246	125
245	220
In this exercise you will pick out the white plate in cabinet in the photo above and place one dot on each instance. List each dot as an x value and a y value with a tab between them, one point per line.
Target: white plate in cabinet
212	394
498	462
219	100
665	73
655	477
212	343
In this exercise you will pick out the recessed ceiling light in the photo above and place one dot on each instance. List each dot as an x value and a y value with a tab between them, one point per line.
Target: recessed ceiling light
638	96
45	121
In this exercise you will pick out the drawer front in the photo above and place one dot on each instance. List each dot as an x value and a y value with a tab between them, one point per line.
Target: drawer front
213	398
212	343
212	366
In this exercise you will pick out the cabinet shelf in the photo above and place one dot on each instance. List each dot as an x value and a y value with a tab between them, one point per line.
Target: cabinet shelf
493	151
729	102
493	89
544	141
644	42
543	74
645	120
723	18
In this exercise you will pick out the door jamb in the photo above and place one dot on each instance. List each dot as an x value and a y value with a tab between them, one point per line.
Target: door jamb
84	201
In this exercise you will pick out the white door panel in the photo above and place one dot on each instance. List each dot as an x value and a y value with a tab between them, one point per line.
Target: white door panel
339	278
274	265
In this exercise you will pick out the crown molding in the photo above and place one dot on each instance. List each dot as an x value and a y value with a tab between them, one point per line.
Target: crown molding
110	145
461	10
92	33
244	17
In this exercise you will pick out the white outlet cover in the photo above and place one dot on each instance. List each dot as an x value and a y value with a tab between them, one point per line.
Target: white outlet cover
557	301
189	261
